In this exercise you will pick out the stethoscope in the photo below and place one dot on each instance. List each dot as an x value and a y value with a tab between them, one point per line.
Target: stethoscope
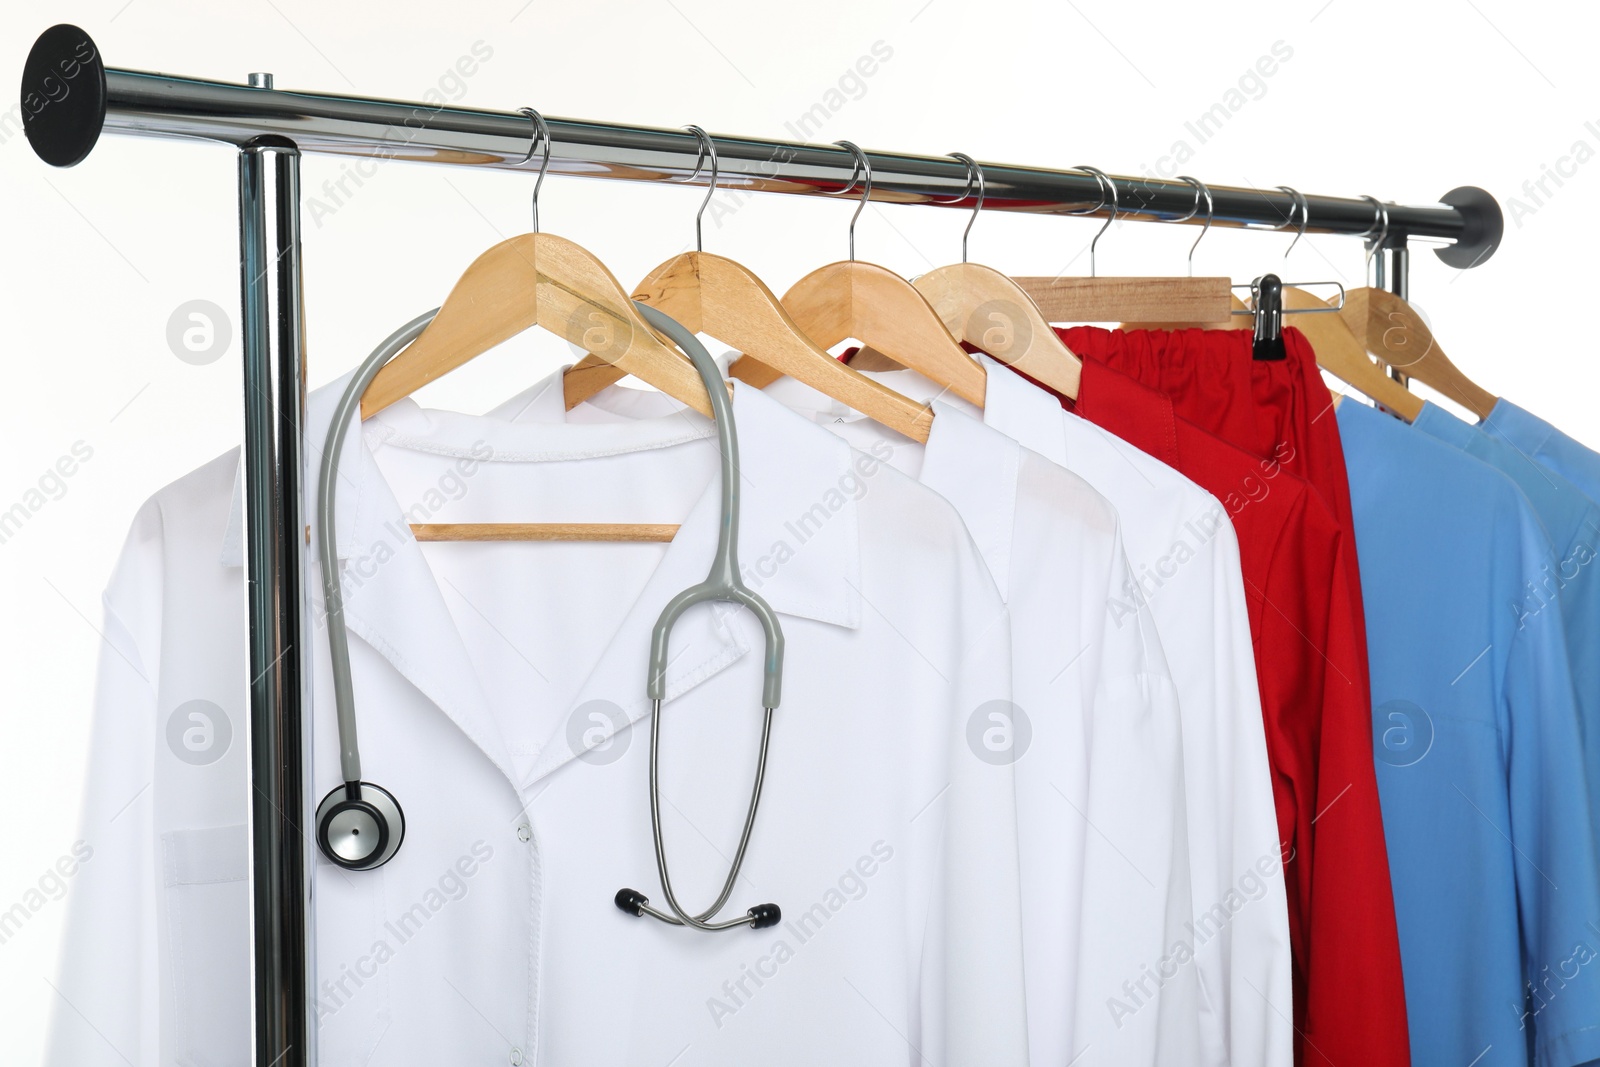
360	824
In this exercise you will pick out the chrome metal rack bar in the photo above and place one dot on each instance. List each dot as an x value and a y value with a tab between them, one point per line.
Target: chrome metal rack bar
70	98
163	105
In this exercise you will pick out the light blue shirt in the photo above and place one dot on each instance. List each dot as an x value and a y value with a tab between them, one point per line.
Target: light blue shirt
1476	745
1545	445
1568	584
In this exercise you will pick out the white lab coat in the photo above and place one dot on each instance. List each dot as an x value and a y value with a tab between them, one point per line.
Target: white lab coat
1098	742
500	697
1199	610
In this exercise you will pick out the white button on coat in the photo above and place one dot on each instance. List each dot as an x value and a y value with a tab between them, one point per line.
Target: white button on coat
503	685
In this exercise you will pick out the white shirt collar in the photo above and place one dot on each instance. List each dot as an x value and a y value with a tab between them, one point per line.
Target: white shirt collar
972	467
820	583
788	468
976	468
1023	411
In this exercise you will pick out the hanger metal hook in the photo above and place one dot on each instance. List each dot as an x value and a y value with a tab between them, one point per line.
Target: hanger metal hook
1296	200
1380	217
863	169
541	133
1109	193
1100	184
966	190
707	148
974	173
1288	220
1200	189
1194	210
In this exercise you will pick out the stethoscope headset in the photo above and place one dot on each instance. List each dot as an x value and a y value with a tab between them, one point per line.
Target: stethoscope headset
360	825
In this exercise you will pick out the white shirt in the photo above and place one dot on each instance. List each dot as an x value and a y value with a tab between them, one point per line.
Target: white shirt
1200	613
500	695
1097	741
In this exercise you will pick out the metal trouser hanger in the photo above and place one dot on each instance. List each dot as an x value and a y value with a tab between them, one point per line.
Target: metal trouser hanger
1268	310
360	825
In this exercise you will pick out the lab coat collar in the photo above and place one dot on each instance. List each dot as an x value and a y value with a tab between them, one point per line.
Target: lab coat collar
1023	411
804	563
975	469
819	583
802	566
971	466
962	462
391	599
777	512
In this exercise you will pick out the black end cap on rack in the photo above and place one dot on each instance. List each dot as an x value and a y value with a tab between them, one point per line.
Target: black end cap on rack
63	95
1485	226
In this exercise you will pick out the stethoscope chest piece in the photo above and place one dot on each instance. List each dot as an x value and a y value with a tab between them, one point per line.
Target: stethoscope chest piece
359	826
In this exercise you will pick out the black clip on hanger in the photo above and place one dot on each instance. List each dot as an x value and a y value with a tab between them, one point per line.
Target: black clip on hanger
1268	340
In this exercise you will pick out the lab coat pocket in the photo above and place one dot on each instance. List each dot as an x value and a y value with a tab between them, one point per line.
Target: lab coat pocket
206	904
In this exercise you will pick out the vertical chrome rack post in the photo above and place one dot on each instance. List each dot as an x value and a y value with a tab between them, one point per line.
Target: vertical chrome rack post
69	98
273	341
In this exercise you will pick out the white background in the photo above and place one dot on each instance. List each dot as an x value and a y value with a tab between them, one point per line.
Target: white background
1402	101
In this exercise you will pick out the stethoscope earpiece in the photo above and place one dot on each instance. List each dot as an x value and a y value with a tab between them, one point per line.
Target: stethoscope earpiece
359	826
757	918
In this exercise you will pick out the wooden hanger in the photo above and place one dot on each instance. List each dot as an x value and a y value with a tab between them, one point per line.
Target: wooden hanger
871	304
1174	310
544	531
1097	299
1210	319
1343	355
1129	299
1392	330
714	295
1386	325
990	312
535	279
1338	351
544	280
960	291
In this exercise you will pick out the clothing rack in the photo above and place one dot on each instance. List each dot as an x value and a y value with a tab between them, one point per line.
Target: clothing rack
69	98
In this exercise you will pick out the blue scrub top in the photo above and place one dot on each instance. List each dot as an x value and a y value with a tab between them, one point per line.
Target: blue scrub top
1569	583
1476	745
1545	445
